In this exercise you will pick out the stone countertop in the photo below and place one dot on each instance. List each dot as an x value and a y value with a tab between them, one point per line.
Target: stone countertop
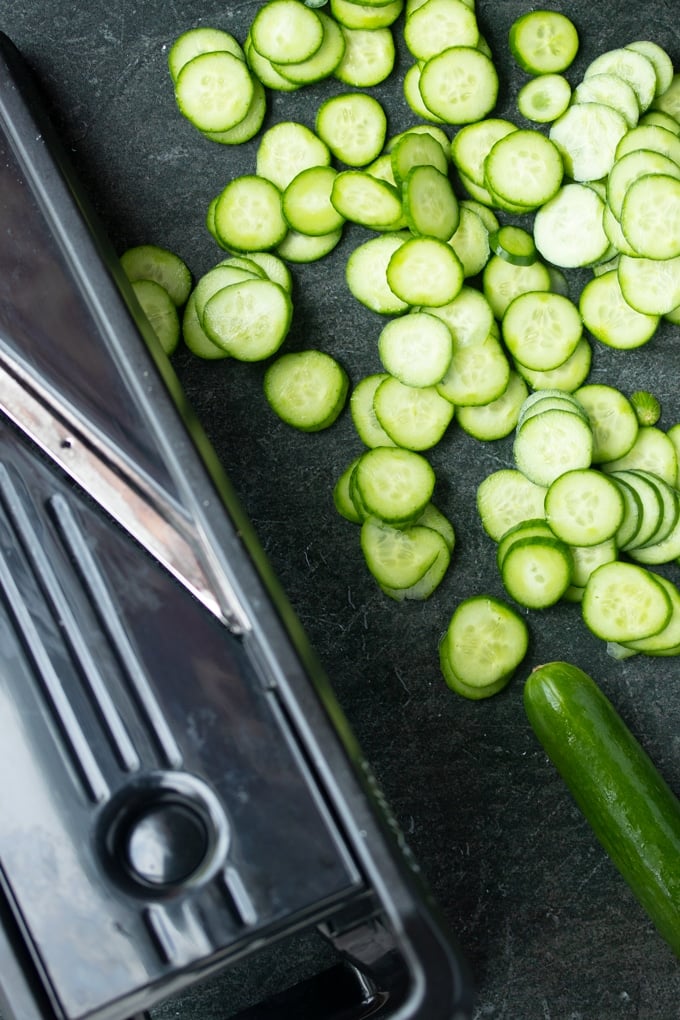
549	928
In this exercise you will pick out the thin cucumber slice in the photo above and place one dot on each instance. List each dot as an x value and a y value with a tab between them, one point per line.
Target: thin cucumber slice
286	149
414	417
248	215
416	349
486	215
651	503
478	373
485	642
221	275
625	602
650	286
459	85
568	376
264	70
568	229
656	553
342	495
273	267
543	42
650	216
153	262
473	142
432	517
214	90
549	400
470	241
587	135
631	65
400	557
203	39
286	31
669	101
541	329
299	247
652	451
632	513
414	97
425	271
368	428
249	320
538	528
514	244
369	57
545	98
661	61
416	148
612	418
506	497
670	508
394	484
629	168
660	119
306	202
361	198
353	126
536	572
586	559
161	311
497	418
502	282
430	204
610	319
551	443
610	90
365	16
428	583
438	24
667	641
195	337
251	123
324	62
524	168
584	507
652	137
306	389
468	316
366	274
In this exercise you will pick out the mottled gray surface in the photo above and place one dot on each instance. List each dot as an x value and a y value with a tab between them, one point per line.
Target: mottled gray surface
550	930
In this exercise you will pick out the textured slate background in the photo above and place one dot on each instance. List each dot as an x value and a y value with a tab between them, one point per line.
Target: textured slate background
549	928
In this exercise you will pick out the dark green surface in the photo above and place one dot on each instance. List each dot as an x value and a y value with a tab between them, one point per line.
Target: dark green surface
549	928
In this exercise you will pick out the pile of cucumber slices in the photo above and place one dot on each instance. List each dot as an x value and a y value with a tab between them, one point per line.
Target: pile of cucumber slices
479	329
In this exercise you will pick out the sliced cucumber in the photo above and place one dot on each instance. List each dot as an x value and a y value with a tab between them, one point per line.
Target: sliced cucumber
353	126
506	497
537	571
306	389
416	348
414	417
584	507
625	602
425	271
543	42
153	262
459	85
541	329
524	169
248	214
393	484
551	443
484	644
214	90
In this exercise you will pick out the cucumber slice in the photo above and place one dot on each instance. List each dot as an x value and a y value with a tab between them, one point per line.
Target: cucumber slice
584	507
541	329
478	373
543	42
286	31
365	16
497	418
545	98
353	126
161	311
214	90
306	389
506	497
587	135
538	528
607	315
650	286
650	216
514	244
414	417
416	148
248	214
369	56
368	428
306	202
610	90
361	198
322	63
393	484
425	271
468	316
286	149
459	85
470	242
625	602
629	168
195	41
416	349
524	168
612	419
503	281
652	137
536	572
568	376
439	24
249	126
342	495
652	451
661	61
195	337
473	143
153	262
249	320
568	229
634	67
484	644
299	247
366	274
398	558
430	204
551	443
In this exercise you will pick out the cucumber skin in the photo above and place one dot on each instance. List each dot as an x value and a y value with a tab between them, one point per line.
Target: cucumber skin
631	809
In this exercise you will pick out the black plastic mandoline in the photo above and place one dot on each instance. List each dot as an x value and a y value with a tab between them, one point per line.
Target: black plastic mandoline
177	786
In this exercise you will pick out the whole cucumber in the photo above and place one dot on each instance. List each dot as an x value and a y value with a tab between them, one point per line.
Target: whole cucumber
631	809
